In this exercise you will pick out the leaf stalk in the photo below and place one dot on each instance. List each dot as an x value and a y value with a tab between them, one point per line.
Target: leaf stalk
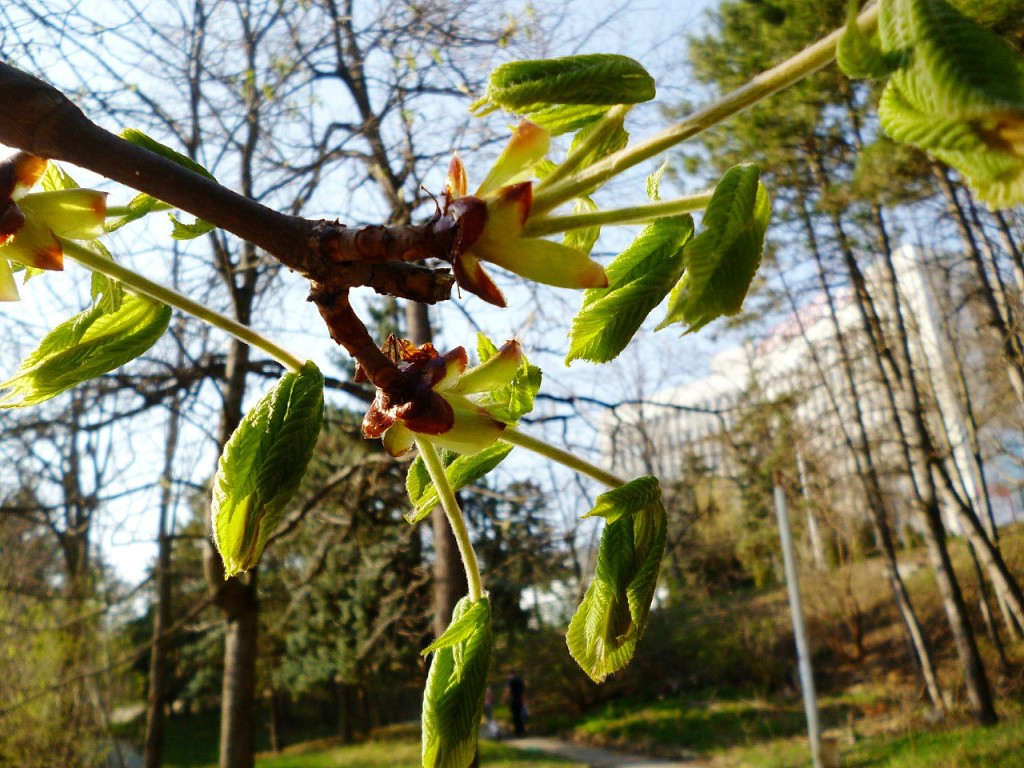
432	461
607	127
636	214
119	211
794	69
515	437
146	287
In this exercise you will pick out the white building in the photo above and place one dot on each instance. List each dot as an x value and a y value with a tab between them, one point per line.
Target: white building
795	359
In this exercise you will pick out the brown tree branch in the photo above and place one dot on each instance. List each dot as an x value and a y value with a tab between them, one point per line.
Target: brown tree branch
38	118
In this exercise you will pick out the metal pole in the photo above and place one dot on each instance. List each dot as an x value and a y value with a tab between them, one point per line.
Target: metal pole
813	531
799	631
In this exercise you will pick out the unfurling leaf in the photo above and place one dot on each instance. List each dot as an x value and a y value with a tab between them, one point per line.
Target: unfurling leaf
105	291
509	402
140	139
183	231
461	470
526	87
143	204
721	261
262	464
139	206
858	55
454	698
583	240
55	178
638	279
566	118
610	621
85	346
634	495
654	183
958	94
598	140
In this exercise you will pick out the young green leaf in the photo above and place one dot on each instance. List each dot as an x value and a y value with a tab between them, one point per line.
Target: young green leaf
105	291
510	402
525	87
143	204
262	464
610	621
632	496
454	698
958	95
139	206
566	118
85	346
597	140
56	178
583	239
461	470
638	279
858	55
140	139
654	183
721	261
183	231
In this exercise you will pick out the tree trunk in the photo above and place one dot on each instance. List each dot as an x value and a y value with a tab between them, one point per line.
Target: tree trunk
238	693
996	567
274	720
347	712
865	465
986	611
156	700
1006	586
976	471
921	458
1014	251
998	323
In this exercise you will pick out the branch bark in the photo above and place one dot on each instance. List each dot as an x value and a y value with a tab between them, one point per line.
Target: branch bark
45	122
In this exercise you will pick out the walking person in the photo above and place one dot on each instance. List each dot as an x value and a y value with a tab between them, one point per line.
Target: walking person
515	694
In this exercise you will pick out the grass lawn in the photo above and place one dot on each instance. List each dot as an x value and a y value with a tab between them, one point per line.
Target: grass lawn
702	725
192	743
1001	746
400	754
742	732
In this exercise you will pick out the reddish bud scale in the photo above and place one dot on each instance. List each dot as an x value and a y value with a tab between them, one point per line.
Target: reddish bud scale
432	398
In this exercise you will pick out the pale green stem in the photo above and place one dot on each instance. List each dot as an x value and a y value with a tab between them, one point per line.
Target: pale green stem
451	508
609	123
775	79
118	211
637	214
515	437
142	285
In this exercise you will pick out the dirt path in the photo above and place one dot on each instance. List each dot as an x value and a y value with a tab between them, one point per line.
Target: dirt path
596	757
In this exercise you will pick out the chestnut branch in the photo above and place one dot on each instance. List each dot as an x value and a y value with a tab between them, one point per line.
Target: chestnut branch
38	118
